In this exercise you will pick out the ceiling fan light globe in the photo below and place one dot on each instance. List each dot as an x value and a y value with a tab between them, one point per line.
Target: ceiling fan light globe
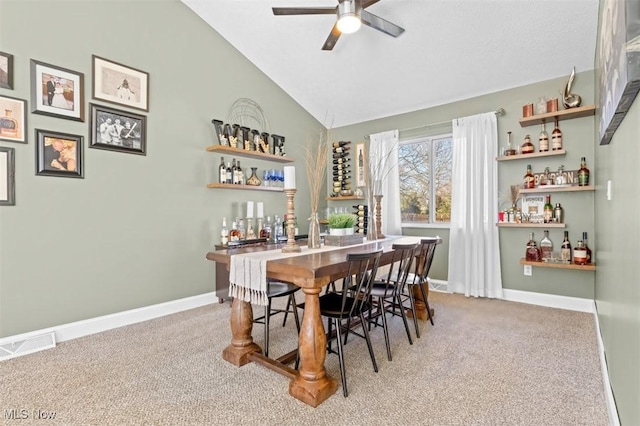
348	24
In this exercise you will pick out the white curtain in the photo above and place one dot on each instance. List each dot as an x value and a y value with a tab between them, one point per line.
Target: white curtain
383	163
474	249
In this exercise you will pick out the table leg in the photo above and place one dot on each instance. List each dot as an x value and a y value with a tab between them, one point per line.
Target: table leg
241	340
312	385
421	307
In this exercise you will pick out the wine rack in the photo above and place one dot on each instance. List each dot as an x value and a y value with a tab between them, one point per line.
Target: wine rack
341	169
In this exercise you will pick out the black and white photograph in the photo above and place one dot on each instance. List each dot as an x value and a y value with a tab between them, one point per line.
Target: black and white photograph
6	70
116	130
120	84
56	91
59	154
7	177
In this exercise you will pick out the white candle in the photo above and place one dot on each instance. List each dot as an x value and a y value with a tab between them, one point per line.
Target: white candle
289	177
260	209
249	209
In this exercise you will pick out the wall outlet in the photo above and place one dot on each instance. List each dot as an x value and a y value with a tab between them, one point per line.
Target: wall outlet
528	270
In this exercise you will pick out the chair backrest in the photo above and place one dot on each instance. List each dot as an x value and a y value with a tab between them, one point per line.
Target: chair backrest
363	267
400	266
426	250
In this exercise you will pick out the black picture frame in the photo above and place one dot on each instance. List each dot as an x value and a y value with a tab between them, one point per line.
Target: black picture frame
7	176
59	154
13	119
119	84
6	70
57	91
129	135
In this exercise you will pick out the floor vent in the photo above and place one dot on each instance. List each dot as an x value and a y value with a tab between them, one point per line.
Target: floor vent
27	346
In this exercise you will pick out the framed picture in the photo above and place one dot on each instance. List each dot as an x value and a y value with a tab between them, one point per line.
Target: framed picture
120	84
618	64
116	130
13	119
56	91
7	177
58	154
6	70
360	162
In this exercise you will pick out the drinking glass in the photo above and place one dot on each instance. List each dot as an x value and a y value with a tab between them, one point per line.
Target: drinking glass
265	177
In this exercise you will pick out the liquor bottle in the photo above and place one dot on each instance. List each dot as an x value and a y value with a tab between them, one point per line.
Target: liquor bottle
510	150
222	172
546	246
529	178
543	140
224	232
527	146
558	214
229	173
341	143
583	173
265	232
234	234
580	254
533	253
548	209
556	137
565	248
586	246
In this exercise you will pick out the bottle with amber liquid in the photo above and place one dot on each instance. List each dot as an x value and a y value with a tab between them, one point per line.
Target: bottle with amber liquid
565	248
548	209
234	234
529	179
265	231
546	246
509	150
556	137
580	254
543	140
533	253
583	173
586	246
527	147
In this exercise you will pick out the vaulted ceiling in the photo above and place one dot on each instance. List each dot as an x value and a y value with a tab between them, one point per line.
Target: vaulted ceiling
450	50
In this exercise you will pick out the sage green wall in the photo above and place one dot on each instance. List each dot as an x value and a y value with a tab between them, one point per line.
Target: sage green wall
578	141
618	233
134	232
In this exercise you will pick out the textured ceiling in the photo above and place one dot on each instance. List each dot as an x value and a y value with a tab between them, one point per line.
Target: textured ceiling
450	50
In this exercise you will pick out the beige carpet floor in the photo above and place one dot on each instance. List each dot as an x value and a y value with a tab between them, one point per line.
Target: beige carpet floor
485	362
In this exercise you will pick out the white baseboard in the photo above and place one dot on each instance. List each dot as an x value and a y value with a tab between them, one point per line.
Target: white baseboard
89	326
614	420
550	300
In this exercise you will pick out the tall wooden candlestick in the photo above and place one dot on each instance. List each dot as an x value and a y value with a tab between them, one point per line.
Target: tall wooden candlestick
291	246
378	216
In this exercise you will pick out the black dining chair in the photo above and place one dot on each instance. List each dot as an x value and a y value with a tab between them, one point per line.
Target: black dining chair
387	290
424	256
276	289
351	302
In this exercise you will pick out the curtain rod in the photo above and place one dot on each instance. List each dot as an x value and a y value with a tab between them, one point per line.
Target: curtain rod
499	111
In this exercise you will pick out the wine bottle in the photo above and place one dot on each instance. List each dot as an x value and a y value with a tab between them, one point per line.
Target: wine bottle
222	172
543	140
234	175
546	246
583	173
341	143
565	248
548	210
556	137
229	173
341	149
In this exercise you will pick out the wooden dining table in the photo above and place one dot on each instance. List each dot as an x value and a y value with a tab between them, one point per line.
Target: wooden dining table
310	271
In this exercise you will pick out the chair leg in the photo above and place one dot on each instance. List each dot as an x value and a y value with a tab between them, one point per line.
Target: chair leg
286	310
403	313
368	339
267	314
426	302
413	309
385	329
343	371
295	311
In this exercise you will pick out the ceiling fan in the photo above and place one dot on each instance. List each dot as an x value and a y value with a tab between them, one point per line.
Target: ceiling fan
350	14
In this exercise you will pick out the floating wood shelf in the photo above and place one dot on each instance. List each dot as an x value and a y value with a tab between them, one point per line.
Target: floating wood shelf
244	187
564	114
530	225
554	188
340	198
588	267
532	155
223	149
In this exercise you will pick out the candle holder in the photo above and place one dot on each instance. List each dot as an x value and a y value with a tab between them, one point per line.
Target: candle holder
291	246
378	216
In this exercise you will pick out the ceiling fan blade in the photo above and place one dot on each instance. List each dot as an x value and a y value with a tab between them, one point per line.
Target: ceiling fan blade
367	3
332	39
304	10
380	24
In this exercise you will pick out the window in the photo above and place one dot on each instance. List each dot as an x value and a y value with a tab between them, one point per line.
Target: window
424	166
